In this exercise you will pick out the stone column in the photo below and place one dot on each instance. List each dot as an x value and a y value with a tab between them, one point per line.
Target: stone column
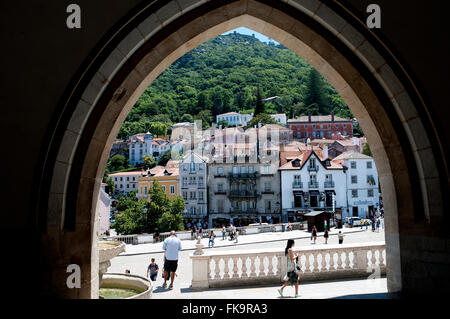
200	272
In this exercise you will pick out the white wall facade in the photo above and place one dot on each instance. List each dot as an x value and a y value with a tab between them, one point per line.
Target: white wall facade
280	118
234	118
367	195
139	148
125	182
288	187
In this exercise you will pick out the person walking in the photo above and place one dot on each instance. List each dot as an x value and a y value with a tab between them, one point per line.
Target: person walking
236	235
341	237
152	270
211	239
373	224
292	268
171	246
314	233
366	223
156	235
325	235
224	232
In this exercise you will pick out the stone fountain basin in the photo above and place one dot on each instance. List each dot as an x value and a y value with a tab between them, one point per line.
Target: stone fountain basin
109	249
115	280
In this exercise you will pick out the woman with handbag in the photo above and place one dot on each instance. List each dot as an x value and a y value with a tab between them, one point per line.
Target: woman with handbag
292	268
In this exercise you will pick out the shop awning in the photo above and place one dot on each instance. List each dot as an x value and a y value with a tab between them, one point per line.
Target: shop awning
298	193
314	193
330	192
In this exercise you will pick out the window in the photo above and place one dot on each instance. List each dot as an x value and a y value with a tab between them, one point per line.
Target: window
243	169
200	180
185	195
145	190
299	134
185	167
128	179
244	206
141	190
328	178
267	186
164	188
193	210
184	181
252	204
200	195
353	165
115	179
200	210
220	188
251	169
306	126
329	133
370	193
134	178
369	164
354	179
337	125
121	179
314	125
172	189
344	133
321	125
220	205
128	185
306	134
329	125
314	134
297	179
345	125
192	167
220	171
121	185
200	166
354	193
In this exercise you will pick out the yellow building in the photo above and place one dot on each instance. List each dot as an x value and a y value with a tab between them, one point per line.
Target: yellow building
167	177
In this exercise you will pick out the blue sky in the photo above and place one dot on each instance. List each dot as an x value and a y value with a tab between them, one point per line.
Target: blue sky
246	31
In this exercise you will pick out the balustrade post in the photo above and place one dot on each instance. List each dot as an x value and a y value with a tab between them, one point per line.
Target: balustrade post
261	265
200	271
244	267
235	268
252	267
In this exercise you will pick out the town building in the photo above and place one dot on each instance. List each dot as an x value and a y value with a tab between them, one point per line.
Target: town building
311	182
280	118
125	182
145	144
140	145
361	184
234	118
243	181
167	177
182	130
321	126
193	178
341	146
118	147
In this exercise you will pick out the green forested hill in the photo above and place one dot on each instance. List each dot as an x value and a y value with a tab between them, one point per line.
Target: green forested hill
223	75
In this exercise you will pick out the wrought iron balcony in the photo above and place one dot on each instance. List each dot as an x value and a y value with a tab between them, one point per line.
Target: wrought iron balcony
313	185
297	185
243	175
242	194
329	184
313	168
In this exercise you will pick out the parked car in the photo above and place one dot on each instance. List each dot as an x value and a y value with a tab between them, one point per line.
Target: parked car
356	221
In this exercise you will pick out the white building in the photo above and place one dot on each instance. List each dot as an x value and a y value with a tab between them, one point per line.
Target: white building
125	182
140	145
193	182
309	182
234	118
280	118
362	184
145	144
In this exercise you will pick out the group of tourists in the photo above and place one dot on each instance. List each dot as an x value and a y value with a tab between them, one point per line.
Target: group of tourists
230	231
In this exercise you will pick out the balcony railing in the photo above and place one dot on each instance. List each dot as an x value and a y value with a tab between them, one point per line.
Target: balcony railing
239	194
313	168
313	184
329	184
268	266
243	175
297	185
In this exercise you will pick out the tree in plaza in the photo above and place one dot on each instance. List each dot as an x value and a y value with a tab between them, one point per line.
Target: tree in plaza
158	205
117	162
366	150
315	94
172	219
130	218
263	119
259	107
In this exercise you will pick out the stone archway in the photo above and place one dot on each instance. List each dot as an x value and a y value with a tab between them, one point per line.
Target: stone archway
165	31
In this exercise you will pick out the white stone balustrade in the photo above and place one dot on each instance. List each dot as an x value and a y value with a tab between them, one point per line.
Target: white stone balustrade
217	268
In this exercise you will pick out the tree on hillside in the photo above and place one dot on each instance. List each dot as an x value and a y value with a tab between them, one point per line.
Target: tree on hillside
165	157
315	96
206	117
259	106
366	149
261	118
187	118
148	162
116	163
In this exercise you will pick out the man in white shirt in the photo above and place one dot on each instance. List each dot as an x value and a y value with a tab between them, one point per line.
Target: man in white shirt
171	246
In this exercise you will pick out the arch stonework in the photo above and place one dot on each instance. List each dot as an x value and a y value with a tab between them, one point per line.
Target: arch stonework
158	40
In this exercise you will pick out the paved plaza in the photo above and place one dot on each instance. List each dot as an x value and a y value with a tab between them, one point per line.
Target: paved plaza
137	257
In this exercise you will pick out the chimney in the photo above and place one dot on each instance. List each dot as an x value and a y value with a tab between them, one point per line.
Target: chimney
309	116
332	116
325	151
